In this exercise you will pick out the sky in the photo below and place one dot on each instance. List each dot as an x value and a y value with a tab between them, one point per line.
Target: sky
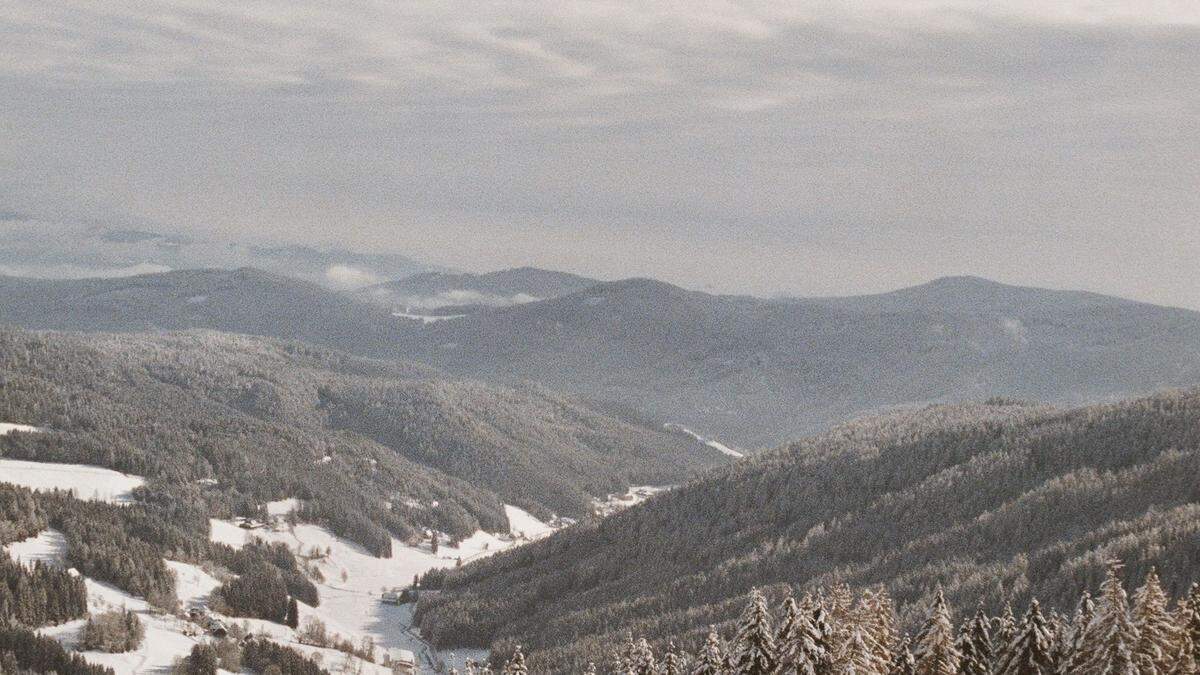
758	147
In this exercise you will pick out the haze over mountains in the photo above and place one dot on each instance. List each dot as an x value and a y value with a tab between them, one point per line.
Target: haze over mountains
750	372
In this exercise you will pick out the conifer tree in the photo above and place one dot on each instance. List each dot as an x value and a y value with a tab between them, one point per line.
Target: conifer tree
1111	636
622	659
1075	655
801	644
292	619
935	653
788	626
903	662
1187	618
975	646
1191	623
672	663
516	663
591	669
859	658
711	659
839	605
876	614
755	643
1157	631
1030	651
1059	637
643	662
1004	628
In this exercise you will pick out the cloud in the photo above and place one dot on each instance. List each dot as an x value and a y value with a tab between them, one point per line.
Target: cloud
77	272
345	276
1049	143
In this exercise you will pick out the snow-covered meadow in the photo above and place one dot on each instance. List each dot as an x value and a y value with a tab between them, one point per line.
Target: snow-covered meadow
84	481
351	603
354	580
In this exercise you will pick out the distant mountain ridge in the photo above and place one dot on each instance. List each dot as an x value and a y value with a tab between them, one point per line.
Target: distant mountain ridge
740	370
756	372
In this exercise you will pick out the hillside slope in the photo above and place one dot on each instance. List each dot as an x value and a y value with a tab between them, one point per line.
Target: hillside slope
263	415
745	371
994	502
759	372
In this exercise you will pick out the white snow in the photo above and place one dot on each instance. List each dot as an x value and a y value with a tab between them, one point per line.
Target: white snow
427	319
49	546
635	495
192	584
166	638
84	481
521	524
355	580
6	428
715	445
226	532
282	507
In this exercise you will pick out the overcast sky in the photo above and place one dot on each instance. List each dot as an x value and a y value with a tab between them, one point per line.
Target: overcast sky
764	147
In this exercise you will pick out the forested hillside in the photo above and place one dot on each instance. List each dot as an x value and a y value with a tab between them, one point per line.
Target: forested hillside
754	372
368	444
995	503
749	372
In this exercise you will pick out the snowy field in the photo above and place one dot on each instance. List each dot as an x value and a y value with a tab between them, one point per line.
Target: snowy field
351	604
6	427
351	593
84	481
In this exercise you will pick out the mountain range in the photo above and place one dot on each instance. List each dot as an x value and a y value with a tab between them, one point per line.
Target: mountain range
749	372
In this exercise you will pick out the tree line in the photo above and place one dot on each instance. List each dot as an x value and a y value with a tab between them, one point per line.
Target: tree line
834	632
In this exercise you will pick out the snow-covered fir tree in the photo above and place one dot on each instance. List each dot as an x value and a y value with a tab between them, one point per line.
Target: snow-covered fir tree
1004	628
754	644
711	659
643	661
934	649
1156	628
859	658
975	646
1030	651
1187	648
801	643
1111	636
516	663
1191	619
672	662
591	669
621	659
876	614
1075	657
903	662
839	605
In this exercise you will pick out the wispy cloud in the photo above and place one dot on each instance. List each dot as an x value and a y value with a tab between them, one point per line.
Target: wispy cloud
1027	140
